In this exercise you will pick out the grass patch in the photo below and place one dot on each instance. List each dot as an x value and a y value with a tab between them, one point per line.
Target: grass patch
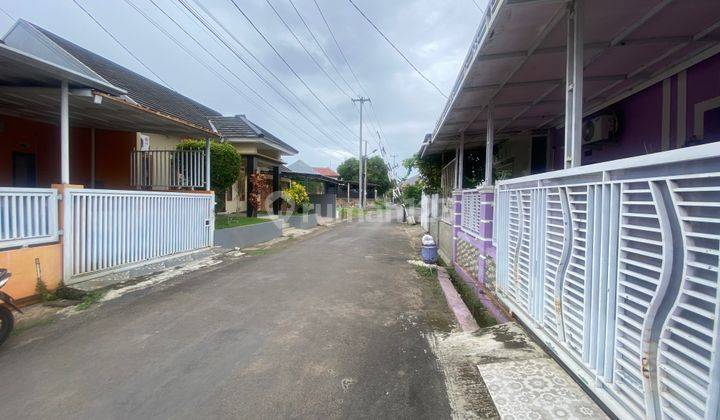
31	324
476	308
351	212
89	299
428	273
255	252
435	311
224	221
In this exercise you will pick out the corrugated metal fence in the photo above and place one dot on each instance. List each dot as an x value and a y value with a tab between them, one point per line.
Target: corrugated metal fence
616	266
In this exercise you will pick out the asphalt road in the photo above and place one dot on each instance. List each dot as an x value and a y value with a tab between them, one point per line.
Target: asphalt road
330	325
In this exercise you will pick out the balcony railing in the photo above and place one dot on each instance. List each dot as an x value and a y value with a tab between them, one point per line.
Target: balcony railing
167	169
616	267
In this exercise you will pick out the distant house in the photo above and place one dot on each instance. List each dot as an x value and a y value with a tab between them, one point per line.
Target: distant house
328	172
314	181
262	152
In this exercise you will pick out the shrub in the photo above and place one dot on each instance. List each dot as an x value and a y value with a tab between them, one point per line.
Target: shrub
297	195
412	194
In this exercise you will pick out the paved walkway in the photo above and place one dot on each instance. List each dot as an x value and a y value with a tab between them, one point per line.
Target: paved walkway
333	324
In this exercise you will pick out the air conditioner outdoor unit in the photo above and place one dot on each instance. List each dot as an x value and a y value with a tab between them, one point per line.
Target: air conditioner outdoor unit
600	128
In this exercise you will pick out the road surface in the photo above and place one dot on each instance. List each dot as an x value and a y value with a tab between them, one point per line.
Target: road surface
330	325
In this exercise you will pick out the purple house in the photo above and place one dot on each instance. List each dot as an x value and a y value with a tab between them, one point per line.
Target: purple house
597	220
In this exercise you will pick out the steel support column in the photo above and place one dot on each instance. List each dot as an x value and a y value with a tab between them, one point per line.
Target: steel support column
64	134
460	160
574	85
489	146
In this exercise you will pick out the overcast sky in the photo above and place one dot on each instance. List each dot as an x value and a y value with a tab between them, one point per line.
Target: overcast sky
434	34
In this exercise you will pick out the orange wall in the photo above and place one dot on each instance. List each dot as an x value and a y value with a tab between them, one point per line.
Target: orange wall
112	167
112	164
20	263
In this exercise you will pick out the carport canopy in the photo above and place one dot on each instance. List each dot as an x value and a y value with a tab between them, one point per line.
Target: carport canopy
517	63
30	87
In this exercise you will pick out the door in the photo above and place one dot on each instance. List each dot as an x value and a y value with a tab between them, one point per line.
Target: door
538	155
23	170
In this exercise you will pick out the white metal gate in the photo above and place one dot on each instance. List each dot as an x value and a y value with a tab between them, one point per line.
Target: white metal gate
108	229
616	266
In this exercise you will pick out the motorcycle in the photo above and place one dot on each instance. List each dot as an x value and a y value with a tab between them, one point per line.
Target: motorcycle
7	320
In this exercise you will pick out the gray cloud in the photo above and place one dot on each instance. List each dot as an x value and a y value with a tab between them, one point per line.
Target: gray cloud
434	34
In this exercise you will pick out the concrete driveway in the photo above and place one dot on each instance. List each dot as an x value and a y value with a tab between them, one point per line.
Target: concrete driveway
330	325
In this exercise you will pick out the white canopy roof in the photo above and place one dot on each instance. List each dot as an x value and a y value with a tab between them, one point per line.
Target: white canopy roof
517	60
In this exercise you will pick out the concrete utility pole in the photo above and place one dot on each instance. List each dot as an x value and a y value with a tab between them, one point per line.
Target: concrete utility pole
361	100
365	162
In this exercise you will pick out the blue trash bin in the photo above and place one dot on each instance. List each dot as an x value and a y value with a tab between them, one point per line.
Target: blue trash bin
429	254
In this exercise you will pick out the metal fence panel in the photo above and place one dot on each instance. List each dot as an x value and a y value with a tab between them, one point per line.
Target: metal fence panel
107	229
28	216
617	267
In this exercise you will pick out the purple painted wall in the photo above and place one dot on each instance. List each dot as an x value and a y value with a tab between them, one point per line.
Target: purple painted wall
703	84
640	117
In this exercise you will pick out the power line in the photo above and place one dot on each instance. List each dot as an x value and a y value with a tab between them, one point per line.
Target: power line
270	105
317	42
397	49
267	41
187	50
7	14
224	42
119	43
347	62
197	16
319	66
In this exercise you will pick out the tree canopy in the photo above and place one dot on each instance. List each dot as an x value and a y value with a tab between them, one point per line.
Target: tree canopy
377	171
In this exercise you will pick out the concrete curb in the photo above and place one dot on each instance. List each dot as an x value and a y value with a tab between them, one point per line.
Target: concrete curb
455	302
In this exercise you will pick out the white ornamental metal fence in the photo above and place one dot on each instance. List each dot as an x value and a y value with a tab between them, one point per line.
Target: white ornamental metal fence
167	169
108	229
470	218
616	267
28	216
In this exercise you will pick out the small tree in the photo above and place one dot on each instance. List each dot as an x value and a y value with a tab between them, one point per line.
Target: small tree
297	195
225	163
261	188
412	194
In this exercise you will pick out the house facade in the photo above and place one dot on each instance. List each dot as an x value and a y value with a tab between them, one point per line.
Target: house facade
594	216
92	183
261	151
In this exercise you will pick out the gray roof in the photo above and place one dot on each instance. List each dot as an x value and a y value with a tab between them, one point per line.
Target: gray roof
139	88
300	167
238	126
